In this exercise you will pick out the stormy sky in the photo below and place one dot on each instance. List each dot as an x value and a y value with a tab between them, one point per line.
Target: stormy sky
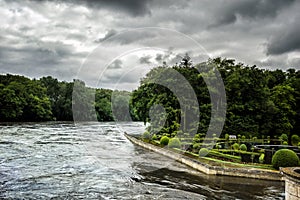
112	44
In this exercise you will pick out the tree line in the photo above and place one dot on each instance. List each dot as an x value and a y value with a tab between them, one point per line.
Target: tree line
47	99
260	102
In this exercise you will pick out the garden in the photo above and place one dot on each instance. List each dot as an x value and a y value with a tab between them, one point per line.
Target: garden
237	151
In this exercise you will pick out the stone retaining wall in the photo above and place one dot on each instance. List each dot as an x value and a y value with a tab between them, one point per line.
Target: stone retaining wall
209	169
292	183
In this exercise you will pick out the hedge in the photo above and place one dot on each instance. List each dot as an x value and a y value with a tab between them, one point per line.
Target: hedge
285	158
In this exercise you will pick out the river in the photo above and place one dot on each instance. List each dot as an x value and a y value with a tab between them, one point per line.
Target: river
61	160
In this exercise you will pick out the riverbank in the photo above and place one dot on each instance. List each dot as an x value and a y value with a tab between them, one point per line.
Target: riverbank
225	170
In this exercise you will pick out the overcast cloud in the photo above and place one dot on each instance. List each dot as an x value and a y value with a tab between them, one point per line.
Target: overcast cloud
58	38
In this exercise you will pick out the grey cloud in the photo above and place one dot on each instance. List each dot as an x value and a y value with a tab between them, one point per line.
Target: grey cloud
126	37
132	7
172	58
294	63
279	62
77	36
119	79
145	59
159	57
164	57
117	64
176	59
40	59
250	9
252	23
285	40
109	34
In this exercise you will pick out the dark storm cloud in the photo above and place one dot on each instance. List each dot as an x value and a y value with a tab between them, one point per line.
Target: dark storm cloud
40	59
250	9
285	40
132	7
52	37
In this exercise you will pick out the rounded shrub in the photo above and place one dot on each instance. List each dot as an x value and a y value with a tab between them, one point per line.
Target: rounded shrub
284	137
196	145
174	143
146	135
285	143
203	152
154	137
164	140
236	146
285	158
243	147
295	139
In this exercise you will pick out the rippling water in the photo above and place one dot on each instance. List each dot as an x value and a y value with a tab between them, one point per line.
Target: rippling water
95	161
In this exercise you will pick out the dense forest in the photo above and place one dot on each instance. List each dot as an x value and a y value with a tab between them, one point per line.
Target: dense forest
260	102
46	99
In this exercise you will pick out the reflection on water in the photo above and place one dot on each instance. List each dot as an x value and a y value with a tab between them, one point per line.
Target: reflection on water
95	161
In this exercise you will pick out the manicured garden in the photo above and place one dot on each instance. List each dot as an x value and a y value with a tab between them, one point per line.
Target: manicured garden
235	151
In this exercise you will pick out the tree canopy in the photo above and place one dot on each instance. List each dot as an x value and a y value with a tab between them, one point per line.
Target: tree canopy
260	102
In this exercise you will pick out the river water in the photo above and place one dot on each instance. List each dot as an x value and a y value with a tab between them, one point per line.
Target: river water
95	161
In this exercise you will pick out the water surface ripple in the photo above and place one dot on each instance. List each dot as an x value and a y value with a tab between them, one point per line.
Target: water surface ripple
95	161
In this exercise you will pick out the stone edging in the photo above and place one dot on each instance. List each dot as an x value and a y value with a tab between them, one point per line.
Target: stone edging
263	174
292	182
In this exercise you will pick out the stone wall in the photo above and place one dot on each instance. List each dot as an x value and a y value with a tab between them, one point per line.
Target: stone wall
210	169
292	183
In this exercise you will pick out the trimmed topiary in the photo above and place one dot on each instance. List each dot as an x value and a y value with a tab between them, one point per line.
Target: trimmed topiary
236	146
196	145
284	137
285	143
146	135
154	137
285	158
295	139
243	147
164	140
174	143
203	152
262	158
226	136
